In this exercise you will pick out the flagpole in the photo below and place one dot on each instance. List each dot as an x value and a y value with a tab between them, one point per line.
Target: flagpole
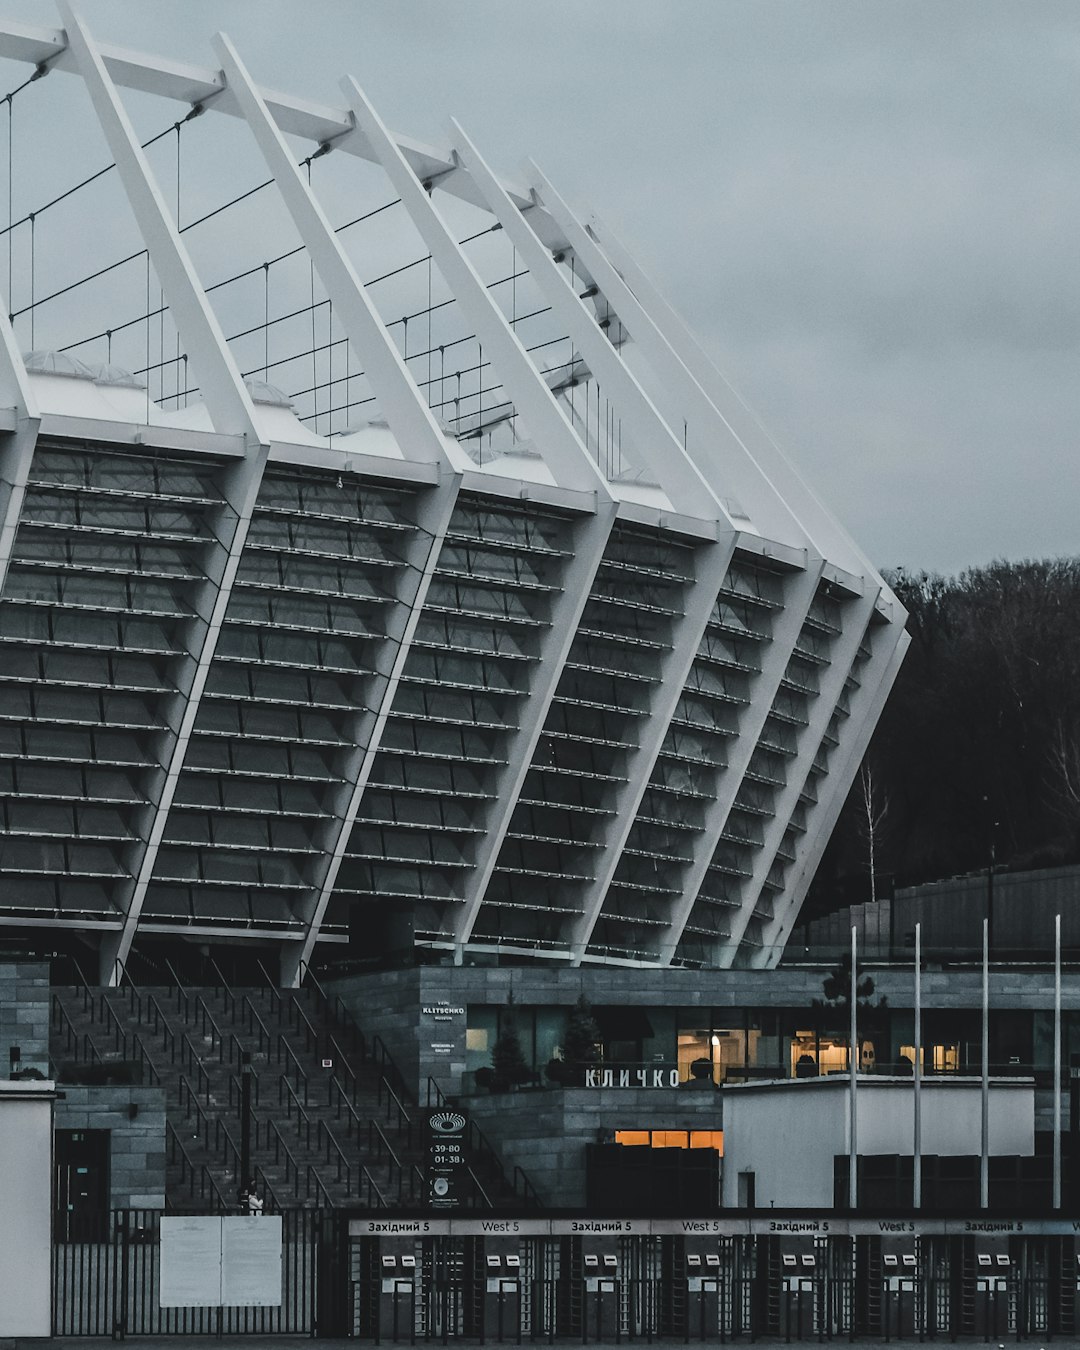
1057	1061
984	1161
917	1135
853	1065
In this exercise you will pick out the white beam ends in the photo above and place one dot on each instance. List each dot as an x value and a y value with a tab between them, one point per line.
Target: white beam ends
406	410
227	399
555	438
711	441
665	458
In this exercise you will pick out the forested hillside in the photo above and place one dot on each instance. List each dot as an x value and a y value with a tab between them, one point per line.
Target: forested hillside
979	745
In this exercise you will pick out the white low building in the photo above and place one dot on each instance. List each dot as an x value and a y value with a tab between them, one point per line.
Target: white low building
781	1137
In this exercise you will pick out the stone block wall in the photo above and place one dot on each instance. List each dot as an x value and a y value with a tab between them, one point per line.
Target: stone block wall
136	1142
24	1013
545	1132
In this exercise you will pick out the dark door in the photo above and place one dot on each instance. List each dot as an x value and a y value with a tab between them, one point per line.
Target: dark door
82	1185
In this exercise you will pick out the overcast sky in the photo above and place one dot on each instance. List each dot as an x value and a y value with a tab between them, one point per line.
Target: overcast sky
869	212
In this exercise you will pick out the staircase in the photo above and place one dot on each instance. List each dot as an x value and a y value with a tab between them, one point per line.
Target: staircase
332	1124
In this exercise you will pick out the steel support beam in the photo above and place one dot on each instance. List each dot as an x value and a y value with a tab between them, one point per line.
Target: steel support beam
856	615
433	515
16	447
589	538
649	435
231	411
554	437
890	645
711	563
799	591
710	441
406	410
188	84
830	538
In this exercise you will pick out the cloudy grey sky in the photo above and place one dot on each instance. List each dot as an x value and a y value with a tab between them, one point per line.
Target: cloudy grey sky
868	211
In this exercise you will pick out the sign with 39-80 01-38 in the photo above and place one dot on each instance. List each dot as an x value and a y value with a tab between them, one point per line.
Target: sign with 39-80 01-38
447	1159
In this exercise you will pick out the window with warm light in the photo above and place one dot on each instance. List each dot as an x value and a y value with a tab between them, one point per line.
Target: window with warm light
672	1139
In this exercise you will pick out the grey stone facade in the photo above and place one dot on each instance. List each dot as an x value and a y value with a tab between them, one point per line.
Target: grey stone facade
136	1142
24	1013
545	1132
402	1006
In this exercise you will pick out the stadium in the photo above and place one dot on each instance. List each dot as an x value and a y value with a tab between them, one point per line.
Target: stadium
384	566
426	691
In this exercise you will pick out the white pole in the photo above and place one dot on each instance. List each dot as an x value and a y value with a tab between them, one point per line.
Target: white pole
853	1065
917	1135
984	1161
1057	1061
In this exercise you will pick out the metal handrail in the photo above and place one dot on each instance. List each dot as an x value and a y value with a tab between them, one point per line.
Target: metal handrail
325	1133
387	1066
275	997
263	1032
485	1199
91	1054
181	997
343	1099
268	1190
529	1192
110	1021
189	1171
298	1068
341	1060
285	1090
313	1174
280	1146
403	1120
161	1023
236	1090
193	1064
311	1036
383	1152
230	997
203	1015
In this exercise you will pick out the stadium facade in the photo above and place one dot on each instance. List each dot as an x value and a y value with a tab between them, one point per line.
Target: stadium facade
512	636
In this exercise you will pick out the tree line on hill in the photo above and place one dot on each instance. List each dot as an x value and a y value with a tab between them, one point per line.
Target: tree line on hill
976	758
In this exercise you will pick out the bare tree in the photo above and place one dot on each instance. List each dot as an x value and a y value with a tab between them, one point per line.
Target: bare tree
1065	771
873	808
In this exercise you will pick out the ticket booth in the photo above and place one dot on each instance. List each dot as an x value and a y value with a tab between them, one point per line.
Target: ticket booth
503	1295
704	1283
993	1288
899	1291
602	1277
801	1274
398	1289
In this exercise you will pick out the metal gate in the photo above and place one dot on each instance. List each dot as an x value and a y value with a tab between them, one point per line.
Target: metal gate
109	1284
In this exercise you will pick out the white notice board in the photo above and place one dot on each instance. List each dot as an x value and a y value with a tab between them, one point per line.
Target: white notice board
212	1261
251	1261
190	1261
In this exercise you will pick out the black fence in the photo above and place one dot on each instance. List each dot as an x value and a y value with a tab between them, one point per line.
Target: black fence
395	1281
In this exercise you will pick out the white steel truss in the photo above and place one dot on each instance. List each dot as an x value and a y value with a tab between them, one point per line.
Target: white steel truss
366	728
232	411
799	593
19	440
709	459
687	408
887	655
856	616
589	540
710	567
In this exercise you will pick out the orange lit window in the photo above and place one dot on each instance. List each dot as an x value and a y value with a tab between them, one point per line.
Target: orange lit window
672	1139
669	1139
